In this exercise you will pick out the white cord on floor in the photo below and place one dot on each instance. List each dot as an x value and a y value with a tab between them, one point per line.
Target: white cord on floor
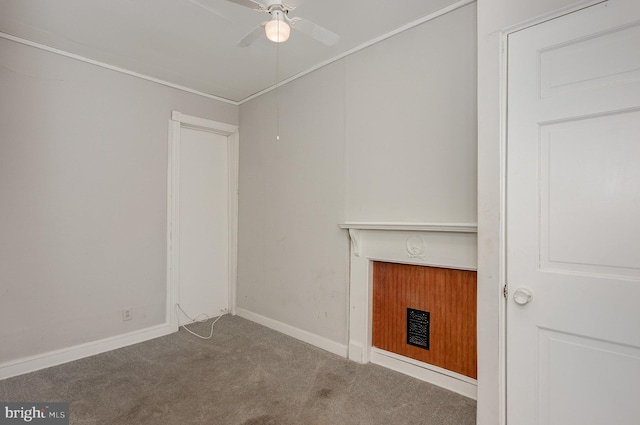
197	320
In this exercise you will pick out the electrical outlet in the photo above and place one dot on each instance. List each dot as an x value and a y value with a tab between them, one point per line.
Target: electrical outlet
127	314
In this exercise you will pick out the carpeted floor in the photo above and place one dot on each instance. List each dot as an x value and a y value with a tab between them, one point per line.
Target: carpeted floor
245	375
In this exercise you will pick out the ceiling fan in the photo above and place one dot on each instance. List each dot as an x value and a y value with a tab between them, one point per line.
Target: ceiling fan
278	28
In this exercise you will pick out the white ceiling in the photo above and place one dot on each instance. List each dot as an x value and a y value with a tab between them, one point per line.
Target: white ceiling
192	46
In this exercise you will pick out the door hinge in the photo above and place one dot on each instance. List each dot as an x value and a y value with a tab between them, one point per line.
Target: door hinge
505	291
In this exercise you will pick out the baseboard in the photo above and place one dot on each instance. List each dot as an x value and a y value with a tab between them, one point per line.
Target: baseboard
452	381
64	355
308	337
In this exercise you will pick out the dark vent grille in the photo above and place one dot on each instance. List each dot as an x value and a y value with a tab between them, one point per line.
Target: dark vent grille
418	328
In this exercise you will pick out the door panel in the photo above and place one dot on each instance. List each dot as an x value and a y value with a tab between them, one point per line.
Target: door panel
589	170
569	67
574	370
573	227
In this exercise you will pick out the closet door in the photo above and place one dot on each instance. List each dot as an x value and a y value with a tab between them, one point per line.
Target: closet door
573	228
204	223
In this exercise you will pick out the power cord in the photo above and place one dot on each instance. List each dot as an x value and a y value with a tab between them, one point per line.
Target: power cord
198	320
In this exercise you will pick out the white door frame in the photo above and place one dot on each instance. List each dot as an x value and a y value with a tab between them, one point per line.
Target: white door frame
503	288
178	121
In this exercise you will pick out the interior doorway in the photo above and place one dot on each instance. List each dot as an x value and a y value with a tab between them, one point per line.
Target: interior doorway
202	218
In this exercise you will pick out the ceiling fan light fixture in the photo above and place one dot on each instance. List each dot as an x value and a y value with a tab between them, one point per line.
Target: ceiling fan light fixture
277	30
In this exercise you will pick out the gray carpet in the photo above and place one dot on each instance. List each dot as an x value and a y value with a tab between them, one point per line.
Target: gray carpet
245	375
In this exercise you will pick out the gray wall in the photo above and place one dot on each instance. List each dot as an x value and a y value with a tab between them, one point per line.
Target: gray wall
83	188
411	124
292	257
386	134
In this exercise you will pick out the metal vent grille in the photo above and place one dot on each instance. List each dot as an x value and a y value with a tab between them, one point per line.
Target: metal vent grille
418	328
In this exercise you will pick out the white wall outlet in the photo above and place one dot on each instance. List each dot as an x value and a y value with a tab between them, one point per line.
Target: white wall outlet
127	314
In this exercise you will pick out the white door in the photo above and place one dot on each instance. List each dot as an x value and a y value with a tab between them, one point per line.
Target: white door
202	217
573	219
204	223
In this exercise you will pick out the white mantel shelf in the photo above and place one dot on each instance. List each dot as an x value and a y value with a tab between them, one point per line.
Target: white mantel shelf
420	227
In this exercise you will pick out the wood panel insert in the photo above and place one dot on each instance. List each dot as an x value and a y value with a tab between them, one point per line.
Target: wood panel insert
450	298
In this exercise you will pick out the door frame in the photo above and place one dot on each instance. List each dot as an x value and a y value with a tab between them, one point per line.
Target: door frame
176	123
504	290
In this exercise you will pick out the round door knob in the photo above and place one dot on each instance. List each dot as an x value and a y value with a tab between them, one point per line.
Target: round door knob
522	296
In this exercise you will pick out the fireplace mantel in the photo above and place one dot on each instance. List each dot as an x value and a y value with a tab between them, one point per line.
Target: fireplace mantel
446	245
421	227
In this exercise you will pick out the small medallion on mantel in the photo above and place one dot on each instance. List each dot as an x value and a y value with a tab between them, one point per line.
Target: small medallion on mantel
415	247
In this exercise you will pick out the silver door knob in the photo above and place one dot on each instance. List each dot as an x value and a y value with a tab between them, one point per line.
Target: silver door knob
522	296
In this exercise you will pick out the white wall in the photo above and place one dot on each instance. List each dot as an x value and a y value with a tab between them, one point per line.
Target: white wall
83	181
495	17
411	124
387	134
292	257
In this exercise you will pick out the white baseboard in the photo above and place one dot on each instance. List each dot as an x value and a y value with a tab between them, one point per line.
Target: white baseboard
308	337
452	381
64	355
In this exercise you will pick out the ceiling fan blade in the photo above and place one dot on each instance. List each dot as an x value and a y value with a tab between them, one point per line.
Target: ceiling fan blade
291	4
209	9
321	34
251	4
256	33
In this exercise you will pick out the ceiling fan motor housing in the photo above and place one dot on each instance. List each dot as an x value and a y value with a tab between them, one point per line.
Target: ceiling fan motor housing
272	3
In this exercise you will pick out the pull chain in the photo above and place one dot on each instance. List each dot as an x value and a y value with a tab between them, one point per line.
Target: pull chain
277	86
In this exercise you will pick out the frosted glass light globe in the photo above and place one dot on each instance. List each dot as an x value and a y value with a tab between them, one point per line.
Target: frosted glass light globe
277	30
